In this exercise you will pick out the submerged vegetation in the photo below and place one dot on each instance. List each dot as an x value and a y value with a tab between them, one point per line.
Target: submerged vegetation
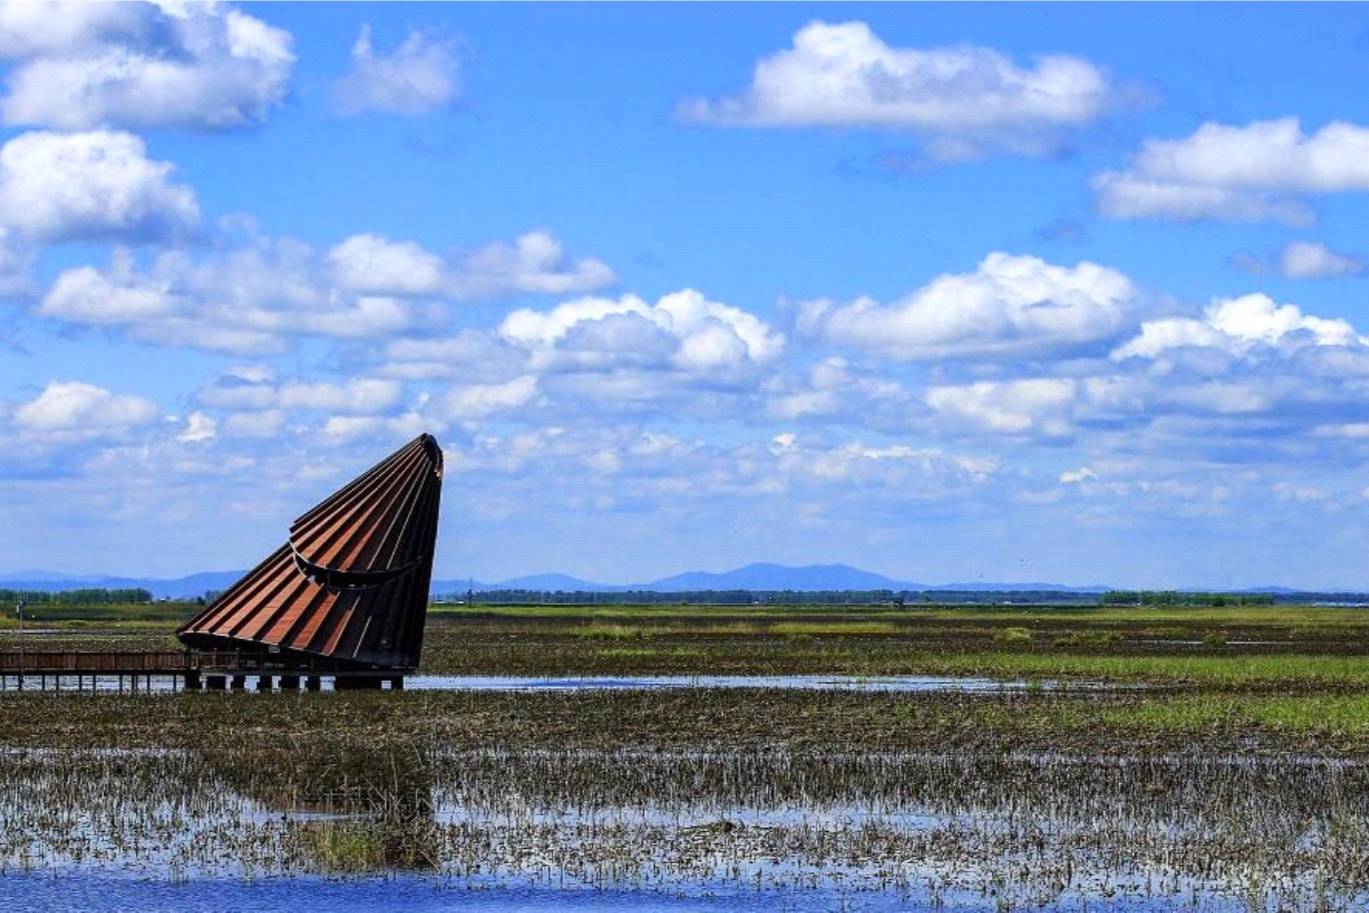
1227	762
936	826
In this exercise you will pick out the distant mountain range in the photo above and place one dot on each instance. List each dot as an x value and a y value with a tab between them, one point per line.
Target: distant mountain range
804	578
807	578
179	588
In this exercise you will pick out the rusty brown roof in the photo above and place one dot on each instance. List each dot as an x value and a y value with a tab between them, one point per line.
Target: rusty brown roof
351	582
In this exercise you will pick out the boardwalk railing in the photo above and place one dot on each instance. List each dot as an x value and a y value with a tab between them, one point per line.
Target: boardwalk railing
97	661
174	662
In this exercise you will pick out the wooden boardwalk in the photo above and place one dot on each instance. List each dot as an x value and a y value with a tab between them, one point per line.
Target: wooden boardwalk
189	670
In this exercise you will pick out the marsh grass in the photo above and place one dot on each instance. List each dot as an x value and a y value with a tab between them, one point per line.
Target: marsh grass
1212	671
598	631
830	629
1235	772
1013	636
1033	828
1225	647
1086	639
1330	715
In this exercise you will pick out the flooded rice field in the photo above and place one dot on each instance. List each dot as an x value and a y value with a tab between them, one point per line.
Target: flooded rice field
430	828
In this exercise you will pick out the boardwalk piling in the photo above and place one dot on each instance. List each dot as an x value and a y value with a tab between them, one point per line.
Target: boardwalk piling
139	672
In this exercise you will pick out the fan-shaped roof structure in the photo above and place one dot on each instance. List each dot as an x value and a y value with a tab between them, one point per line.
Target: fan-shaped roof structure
351	582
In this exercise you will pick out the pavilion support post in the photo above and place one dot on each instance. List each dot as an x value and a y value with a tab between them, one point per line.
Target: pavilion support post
313	683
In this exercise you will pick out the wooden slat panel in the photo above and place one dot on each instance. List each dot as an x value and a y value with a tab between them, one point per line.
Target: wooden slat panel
385	520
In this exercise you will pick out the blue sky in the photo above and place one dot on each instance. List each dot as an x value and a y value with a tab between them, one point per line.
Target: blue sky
1069	293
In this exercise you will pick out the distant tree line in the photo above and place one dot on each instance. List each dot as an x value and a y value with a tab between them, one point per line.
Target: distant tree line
1177	598
897	597
86	596
764	597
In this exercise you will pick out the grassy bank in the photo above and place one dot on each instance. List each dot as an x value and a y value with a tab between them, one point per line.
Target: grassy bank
1263	648
713	720
1290	677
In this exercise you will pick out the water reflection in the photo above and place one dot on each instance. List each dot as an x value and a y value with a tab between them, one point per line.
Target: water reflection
952	829
99	894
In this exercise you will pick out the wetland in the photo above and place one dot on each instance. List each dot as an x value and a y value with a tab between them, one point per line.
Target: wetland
1109	758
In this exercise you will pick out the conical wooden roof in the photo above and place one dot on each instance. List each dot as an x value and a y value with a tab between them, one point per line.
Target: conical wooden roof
351	582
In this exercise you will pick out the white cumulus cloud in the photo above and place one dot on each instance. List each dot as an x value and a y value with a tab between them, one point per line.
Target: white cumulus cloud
77	406
844	75
258	295
1310	260
373	263
139	65
90	186
1010	407
1236	325
1260	171
249	300
266	423
345	427
231	390
1009	305
84	294
535	263
421	74
198	429
683	330
471	401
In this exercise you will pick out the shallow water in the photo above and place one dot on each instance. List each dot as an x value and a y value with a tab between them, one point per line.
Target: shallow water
911	684
98	894
899	683
433	829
